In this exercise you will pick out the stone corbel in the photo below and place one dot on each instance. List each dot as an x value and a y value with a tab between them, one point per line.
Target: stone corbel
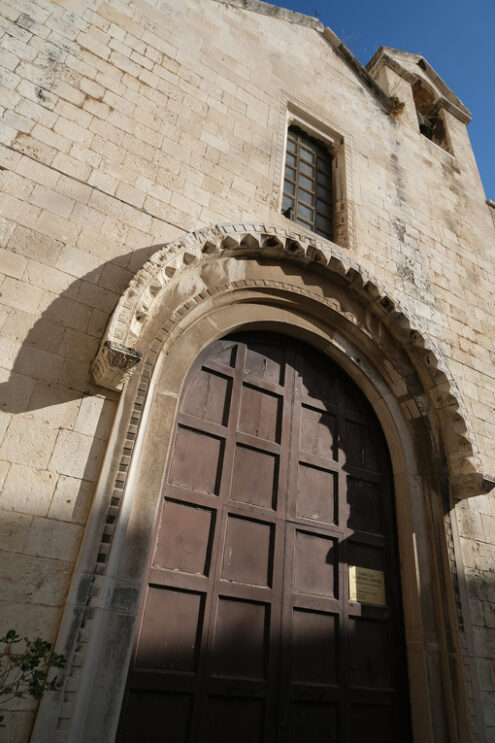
114	364
474	483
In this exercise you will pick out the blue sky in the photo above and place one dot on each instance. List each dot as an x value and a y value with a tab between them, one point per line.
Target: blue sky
457	37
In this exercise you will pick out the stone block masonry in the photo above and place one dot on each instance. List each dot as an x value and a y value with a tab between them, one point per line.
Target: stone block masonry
127	124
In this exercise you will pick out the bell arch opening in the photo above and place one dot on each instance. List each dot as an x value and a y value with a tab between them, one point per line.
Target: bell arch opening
273	605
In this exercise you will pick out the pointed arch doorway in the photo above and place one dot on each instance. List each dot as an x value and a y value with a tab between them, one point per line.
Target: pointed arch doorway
272	611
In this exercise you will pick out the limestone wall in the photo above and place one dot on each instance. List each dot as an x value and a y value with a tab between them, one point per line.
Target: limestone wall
127	124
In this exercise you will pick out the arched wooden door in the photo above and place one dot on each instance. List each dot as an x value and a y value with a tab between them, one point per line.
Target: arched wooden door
272	611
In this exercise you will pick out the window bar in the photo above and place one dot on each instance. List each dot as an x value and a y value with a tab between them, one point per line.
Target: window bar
307	183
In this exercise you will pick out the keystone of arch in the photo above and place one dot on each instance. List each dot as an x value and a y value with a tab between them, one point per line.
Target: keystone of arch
120	351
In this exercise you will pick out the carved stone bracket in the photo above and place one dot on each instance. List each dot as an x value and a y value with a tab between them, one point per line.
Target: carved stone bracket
114	364
146	296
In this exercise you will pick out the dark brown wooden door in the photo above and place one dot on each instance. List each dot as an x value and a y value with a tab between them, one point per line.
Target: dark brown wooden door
272	611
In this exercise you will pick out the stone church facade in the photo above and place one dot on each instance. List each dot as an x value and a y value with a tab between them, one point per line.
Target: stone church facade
217	190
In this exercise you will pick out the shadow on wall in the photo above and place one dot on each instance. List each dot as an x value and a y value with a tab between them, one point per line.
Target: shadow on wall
54	440
52	365
480	584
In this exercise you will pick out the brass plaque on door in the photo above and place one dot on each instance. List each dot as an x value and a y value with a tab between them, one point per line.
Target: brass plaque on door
367	586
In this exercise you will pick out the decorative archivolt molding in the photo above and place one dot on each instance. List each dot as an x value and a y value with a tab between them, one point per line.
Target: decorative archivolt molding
122	346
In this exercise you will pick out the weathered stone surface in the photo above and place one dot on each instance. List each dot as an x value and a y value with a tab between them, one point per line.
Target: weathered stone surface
123	131
115	363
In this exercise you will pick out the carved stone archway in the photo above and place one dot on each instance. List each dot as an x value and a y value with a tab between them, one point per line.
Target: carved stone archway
202	287
124	343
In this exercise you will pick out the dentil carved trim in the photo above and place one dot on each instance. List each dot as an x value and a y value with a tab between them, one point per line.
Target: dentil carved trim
146	295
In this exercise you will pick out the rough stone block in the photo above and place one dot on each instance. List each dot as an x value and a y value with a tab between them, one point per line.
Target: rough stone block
12	264
33	244
76	455
43	581
27	490
13	294
50	538
95	417
71	500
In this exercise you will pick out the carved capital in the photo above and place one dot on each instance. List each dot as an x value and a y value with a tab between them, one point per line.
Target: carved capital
114	364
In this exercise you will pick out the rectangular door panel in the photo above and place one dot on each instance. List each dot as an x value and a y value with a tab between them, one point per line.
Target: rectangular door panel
318	433
223	353
255	477
210	397
315	381
171	630
365	505
155	717
248	552
313	722
234	720
184	538
260	413
316	493
373	724
370	659
241	639
265	361
314	647
315	560
360	446
197	461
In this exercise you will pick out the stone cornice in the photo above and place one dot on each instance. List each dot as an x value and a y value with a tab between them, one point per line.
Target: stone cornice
274	11
381	59
447	99
444	104
290	16
361	72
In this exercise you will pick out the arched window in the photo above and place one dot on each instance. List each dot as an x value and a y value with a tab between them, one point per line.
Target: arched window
430	120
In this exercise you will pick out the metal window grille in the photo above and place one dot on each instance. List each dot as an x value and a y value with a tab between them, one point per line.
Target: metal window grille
307	196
